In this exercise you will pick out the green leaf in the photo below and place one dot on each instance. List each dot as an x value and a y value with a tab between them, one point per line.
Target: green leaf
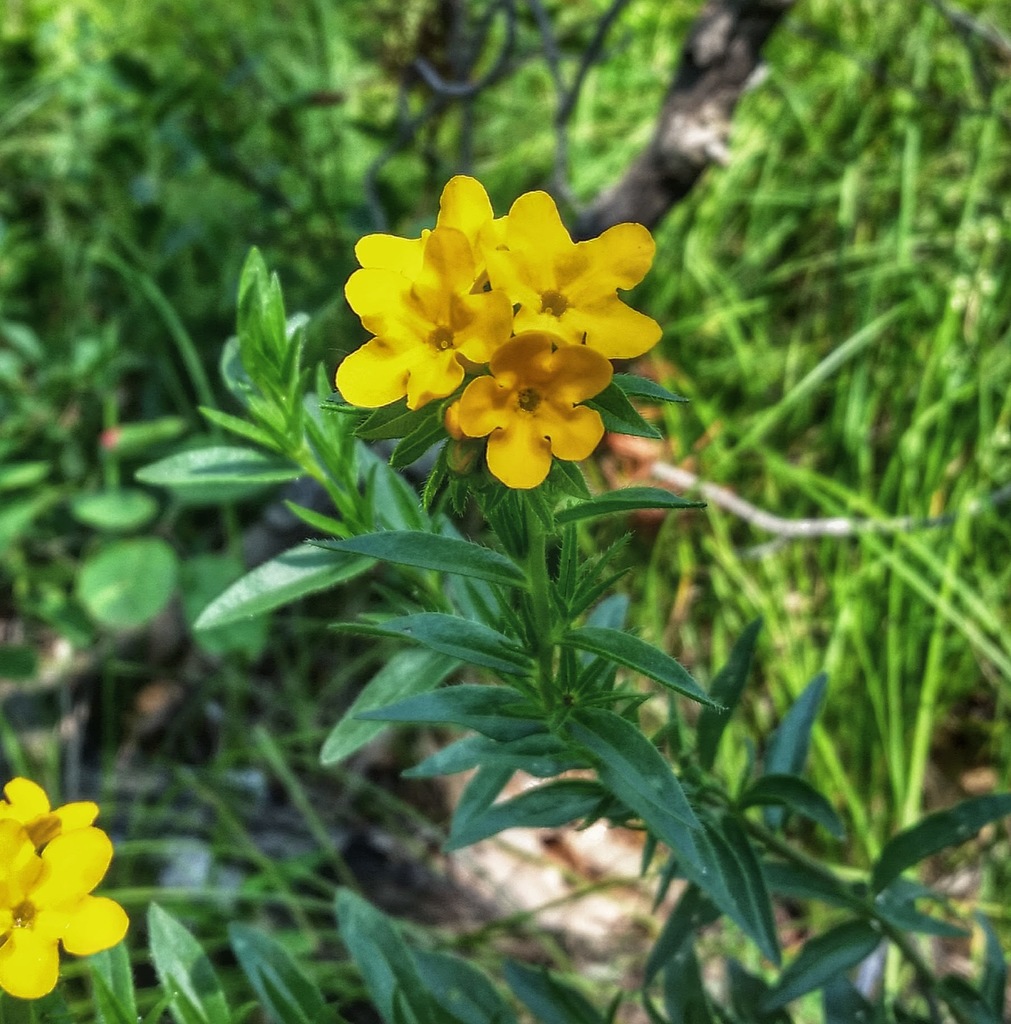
548	999
18	661
796	795
971	1005
822	959
14	475
691	914
788	745
541	755
305	569
685	998
743	895
115	511
405	674
496	711
726	689
384	960
994	979
624	649
210	476
244	429
619	415
801	882
395	503
636	773
628	499
471	642
185	972
127	583
461	989
935	832
389	421
548	806
897	904
843	1004
431	551
112	981
642	387
285	992
17	516
426	433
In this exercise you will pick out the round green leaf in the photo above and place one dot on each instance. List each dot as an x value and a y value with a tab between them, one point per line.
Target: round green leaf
128	582
115	511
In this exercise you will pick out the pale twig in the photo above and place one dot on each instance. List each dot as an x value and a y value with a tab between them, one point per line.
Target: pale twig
832	526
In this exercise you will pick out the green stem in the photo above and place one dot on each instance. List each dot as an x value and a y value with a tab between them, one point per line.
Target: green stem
540	599
902	942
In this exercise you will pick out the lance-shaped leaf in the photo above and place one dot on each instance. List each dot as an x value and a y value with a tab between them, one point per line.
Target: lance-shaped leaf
461	989
691	914
628	499
405	674
631	652
797	796
642	387
934	833
548	806
822	959
633	770
726	689
430	551
460	638
216	474
305	569
541	754
619	415
496	711
548	999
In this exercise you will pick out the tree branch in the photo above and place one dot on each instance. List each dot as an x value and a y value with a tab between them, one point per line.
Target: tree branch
719	58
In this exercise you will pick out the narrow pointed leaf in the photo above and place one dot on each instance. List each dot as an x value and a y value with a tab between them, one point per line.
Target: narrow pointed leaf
305	569
726	689
797	796
550	1001
631	652
496	711
643	387
405	674
936	832
461	989
628	499
430	551
218	473
822	959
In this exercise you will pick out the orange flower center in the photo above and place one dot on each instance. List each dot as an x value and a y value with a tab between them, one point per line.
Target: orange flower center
554	303
441	338
528	400
23	914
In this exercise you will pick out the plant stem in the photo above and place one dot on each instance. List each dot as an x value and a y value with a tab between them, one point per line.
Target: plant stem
540	599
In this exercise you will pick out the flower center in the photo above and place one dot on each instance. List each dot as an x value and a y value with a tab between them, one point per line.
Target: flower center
528	400
23	914
441	338
554	303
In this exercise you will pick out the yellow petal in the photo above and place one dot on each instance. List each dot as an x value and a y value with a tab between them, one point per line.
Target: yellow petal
568	330
434	374
29	965
75	862
465	206
77	815
578	373
374	375
524	361
390	252
614	329
96	923
482	323
519	455
27	800
535	229
483	406
373	292
448	268
573	433
509	273
619	258
20	866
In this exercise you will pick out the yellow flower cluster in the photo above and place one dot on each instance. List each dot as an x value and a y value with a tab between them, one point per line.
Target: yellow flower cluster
511	302
50	860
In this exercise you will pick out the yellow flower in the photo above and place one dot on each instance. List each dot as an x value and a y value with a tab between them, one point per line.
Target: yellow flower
528	409
570	288
26	802
422	327
45	900
464	205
